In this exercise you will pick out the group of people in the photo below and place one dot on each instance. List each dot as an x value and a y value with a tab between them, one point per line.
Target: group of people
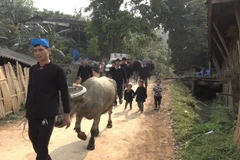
46	79
122	70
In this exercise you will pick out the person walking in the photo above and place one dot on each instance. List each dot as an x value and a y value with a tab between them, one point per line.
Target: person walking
85	71
128	96
157	94
144	74
141	95
120	77
136	69
46	79
128	71
101	67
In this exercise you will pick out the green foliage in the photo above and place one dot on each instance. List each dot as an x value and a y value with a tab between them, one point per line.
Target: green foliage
114	26
186	23
8	33
93	50
190	130
16	10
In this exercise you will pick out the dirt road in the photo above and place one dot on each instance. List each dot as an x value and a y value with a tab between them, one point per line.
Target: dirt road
134	136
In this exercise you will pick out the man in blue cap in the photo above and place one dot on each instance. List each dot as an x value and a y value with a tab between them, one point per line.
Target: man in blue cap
85	71
46	79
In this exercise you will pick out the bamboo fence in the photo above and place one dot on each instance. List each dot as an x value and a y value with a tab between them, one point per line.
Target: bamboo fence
13	88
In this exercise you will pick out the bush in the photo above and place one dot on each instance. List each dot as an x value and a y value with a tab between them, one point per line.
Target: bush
189	129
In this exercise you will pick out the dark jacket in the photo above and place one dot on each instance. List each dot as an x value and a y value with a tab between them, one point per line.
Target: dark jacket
85	72
119	76
136	66
141	93
150	66
144	72
128	72
129	95
43	91
124	66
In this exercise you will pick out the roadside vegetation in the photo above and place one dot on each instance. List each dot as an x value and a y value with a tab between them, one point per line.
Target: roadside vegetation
12	117
196	137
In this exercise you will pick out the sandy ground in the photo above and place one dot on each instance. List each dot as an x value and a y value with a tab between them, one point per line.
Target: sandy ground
134	136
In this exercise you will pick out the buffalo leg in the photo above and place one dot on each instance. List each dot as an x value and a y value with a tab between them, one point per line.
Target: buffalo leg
77	128
109	125
94	133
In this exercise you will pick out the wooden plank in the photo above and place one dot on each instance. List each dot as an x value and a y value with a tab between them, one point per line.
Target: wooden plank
12	88
16	86
5	92
237	13
238	46
222	1
220	49
216	64
18	66
2	109
221	39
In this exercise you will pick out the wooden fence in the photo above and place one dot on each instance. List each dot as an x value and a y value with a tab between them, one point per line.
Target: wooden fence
13	88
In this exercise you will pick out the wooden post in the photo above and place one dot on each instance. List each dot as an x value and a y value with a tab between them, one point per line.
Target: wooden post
237	13
221	39
220	49
216	63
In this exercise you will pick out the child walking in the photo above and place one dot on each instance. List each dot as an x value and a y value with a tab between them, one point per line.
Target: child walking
157	94
141	95
128	96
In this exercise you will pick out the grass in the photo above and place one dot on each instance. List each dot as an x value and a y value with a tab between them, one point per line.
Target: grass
12	117
189	128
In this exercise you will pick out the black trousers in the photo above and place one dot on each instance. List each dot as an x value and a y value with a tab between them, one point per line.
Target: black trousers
119	92
158	100
126	104
39	135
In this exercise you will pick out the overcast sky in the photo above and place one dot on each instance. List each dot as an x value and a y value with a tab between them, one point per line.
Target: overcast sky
65	6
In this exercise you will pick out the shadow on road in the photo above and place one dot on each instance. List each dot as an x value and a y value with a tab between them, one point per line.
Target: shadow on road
71	151
126	114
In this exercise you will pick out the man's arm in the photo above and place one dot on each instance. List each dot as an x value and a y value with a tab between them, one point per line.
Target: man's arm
90	71
79	71
145	92
63	87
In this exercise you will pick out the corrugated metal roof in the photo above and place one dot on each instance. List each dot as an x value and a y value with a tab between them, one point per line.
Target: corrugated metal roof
22	58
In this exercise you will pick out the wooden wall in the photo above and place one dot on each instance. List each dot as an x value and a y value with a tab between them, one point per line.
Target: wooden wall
13	88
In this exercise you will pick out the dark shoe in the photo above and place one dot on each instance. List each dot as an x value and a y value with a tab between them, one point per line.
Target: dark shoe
130	108
120	101
125	108
141	111
155	108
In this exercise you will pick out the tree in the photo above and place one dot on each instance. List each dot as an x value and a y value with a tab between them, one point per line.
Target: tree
93	50
186	23
16	10
113	25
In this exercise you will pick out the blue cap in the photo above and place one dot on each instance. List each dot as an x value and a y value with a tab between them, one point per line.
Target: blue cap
40	41
86	59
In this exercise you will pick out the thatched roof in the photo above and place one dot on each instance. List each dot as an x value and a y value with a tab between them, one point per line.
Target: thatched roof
12	55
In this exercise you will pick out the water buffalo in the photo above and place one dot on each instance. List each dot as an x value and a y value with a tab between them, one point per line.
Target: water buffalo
98	99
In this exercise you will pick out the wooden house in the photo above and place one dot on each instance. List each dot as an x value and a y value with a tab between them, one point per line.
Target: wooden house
224	50
69	28
7	55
